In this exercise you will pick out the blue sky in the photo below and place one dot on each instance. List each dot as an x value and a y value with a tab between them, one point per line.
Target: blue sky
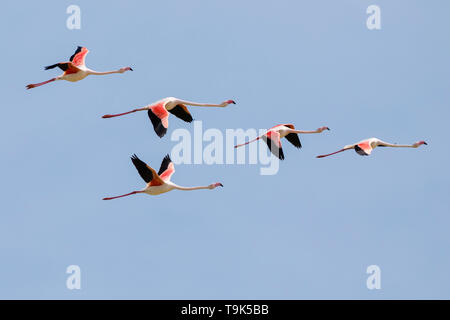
308	232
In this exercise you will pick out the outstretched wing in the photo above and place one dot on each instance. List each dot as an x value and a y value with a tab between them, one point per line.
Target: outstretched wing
272	138
294	139
78	57
363	148
147	173
67	67
182	112
160	118
167	169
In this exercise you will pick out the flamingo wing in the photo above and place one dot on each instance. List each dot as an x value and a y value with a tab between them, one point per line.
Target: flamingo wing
160	118
147	173
294	139
167	169
363	148
272	138
182	112
79	56
67	67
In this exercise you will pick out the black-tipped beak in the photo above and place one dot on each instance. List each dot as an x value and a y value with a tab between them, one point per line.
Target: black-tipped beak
328	129
233	102
131	69
220	184
425	143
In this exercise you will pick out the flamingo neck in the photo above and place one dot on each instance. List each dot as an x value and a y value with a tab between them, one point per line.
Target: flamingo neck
103	73
190	188
197	104
402	146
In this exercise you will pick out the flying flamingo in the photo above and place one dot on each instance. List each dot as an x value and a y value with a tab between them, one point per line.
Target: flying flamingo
158	112
365	147
273	135
75	69
158	183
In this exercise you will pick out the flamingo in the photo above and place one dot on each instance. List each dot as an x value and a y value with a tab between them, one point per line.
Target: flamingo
158	183
365	147
273	135
75	69
158	112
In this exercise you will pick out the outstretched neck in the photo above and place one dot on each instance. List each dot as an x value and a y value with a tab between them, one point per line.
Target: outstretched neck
306	131
198	104
97	73
385	144
189	188
319	130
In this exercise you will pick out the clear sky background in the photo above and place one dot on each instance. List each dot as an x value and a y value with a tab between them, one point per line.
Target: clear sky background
308	232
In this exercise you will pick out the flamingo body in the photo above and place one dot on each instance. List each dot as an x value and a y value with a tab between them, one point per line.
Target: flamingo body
159	183
75	69
365	147
159	111
273	136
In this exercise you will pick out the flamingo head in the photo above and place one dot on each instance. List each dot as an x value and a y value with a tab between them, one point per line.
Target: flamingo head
419	143
230	102
215	185
323	129
122	70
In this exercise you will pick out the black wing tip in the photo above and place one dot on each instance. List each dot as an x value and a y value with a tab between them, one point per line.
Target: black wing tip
294	140
161	133
360	151
164	164
178	112
160	130
78	50
51	66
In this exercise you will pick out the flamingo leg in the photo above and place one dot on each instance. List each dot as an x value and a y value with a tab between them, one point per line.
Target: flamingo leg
330	154
124	195
243	144
121	114
34	85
